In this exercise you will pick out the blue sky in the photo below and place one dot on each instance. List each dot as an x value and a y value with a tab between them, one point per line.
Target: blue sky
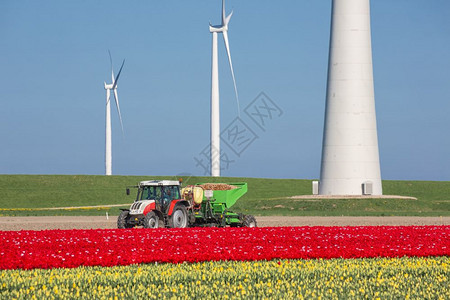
54	60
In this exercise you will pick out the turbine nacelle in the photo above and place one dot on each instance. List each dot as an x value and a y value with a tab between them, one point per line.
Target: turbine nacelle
109	86
220	28
217	28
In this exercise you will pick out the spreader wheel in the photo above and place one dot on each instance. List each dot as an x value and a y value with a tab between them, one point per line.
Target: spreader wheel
249	221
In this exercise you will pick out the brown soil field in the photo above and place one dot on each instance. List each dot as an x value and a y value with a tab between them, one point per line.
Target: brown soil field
43	223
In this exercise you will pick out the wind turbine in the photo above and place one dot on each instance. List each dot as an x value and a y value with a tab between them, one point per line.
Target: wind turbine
215	107
109	88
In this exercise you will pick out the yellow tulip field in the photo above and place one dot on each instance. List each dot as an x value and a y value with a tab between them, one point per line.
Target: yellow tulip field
373	278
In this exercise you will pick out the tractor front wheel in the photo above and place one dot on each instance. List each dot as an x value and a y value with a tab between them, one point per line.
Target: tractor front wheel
249	221
179	217
151	220
122	220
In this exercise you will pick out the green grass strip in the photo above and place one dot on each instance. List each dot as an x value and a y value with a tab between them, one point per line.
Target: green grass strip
39	194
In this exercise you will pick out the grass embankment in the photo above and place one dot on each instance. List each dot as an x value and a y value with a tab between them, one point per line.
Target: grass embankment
264	197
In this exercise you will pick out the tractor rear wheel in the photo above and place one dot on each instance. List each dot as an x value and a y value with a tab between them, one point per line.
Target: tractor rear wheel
249	221
122	220
151	220
179	217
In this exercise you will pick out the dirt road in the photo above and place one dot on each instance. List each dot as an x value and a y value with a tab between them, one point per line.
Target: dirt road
42	223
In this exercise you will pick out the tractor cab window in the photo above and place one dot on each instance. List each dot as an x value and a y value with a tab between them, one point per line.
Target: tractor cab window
175	192
150	193
167	196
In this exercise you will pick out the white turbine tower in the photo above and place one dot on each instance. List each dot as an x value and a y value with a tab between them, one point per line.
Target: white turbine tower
109	88
215	106
350	159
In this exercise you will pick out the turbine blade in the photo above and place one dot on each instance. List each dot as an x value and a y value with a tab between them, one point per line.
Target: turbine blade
110	57
111	62
223	12
116	97
227	19
227	46
117	77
